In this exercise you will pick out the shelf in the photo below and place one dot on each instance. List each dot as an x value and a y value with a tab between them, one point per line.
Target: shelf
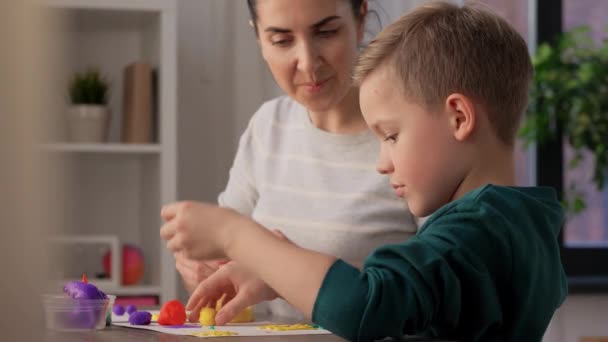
131	5
109	288
103	148
134	290
114	188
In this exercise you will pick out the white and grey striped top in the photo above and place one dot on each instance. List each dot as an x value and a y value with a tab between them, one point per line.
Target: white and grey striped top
320	189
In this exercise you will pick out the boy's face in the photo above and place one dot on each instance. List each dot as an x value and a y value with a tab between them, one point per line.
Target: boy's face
418	150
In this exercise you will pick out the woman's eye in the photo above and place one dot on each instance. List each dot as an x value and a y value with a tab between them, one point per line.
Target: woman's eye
281	42
327	33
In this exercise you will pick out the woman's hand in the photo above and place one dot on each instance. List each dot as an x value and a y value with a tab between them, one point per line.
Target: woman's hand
194	272
197	230
241	288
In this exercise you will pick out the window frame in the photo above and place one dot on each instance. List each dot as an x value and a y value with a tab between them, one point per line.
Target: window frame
586	268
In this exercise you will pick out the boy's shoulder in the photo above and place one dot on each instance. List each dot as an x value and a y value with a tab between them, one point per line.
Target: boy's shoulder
506	205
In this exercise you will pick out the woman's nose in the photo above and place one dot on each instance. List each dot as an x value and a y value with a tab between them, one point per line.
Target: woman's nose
309	58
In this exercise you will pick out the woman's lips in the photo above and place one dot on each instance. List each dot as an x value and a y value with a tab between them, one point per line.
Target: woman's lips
314	87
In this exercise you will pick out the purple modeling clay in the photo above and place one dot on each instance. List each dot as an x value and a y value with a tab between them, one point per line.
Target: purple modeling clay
88	309
131	309
118	309
80	290
140	318
77	319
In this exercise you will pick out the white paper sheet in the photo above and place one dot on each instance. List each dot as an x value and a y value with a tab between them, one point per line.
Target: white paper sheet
241	329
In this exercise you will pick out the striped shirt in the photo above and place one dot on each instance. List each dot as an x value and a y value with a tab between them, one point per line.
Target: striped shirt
320	189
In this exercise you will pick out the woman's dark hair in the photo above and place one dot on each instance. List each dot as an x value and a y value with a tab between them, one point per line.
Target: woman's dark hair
252	4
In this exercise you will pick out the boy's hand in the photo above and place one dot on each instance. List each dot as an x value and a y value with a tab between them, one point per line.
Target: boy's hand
241	288
200	231
231	280
194	272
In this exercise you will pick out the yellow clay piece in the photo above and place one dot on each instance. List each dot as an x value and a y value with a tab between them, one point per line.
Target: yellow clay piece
214	333
244	316
154	318
284	327
207	316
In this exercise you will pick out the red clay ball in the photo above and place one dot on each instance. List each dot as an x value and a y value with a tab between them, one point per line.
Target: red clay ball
172	313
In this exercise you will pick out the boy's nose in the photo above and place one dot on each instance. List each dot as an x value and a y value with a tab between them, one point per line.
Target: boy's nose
384	166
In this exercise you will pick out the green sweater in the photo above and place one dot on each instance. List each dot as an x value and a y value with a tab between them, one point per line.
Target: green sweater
483	268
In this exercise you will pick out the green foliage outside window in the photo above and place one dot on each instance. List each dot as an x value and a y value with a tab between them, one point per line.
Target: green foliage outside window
570	89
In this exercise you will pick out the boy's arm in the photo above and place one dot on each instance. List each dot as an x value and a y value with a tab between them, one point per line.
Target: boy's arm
293	272
453	271
339	297
403	288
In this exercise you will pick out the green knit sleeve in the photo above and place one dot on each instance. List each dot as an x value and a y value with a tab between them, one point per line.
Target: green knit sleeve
428	284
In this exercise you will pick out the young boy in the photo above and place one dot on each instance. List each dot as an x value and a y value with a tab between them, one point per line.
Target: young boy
444	89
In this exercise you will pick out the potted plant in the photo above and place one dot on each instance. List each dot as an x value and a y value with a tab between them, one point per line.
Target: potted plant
570	91
88	115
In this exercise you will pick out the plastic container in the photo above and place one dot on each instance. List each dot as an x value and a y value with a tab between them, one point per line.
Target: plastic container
112	299
67	314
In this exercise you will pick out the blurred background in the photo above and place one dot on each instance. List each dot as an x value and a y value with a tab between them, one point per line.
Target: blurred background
27	213
171	85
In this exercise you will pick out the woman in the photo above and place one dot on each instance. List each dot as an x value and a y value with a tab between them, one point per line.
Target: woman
305	163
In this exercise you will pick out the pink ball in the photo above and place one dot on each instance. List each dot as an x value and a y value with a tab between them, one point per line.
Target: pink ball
132	264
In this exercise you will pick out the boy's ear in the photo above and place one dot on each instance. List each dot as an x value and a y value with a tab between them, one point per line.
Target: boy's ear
462	116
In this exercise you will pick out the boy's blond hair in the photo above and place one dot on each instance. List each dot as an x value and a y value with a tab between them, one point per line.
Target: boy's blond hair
441	48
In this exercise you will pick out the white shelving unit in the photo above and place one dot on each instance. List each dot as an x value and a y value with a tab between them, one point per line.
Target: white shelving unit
116	189
103	148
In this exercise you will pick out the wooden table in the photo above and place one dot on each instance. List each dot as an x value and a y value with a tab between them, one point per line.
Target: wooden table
120	334
116	334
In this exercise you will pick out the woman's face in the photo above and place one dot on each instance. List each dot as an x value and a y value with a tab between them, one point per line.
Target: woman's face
310	47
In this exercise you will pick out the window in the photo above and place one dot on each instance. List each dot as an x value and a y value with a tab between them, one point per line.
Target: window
585	236
584	239
590	228
516	13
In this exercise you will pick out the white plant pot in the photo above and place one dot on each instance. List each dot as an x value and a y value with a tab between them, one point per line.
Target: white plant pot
88	123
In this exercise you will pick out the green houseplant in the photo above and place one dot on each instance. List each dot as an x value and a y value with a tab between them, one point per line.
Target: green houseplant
570	90
89	114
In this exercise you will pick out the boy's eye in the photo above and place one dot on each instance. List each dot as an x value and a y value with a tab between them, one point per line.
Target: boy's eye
391	138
